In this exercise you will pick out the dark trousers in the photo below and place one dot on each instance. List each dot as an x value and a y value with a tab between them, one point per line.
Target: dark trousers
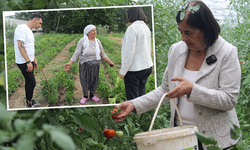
30	81
135	83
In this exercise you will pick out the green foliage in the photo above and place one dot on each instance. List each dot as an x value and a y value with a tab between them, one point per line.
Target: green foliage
10	30
61	21
166	32
60	80
50	90
22	130
189	8
14	79
236	31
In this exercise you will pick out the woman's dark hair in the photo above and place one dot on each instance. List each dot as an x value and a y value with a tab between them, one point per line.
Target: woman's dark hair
37	16
202	19
135	13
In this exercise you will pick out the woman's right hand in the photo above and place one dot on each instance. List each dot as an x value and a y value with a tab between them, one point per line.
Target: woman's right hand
68	65
127	107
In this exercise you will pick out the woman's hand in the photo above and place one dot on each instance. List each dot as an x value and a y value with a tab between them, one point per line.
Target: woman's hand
127	107
121	76
68	65
184	88
111	64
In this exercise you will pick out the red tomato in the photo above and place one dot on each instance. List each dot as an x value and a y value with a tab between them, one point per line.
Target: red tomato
80	129
115	113
109	133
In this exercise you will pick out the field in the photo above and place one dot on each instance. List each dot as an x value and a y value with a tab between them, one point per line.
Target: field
82	128
55	87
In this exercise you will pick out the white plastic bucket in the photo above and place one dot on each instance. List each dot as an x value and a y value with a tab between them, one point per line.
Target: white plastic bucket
175	138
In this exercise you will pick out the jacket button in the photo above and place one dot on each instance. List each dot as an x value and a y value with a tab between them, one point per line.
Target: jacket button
200	113
203	132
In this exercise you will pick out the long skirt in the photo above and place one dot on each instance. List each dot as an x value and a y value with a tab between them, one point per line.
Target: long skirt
89	76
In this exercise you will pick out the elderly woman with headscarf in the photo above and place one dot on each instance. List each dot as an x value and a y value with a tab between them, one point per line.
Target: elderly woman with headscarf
90	51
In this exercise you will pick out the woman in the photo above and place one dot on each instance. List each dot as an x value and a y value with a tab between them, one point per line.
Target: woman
136	54
89	50
205	89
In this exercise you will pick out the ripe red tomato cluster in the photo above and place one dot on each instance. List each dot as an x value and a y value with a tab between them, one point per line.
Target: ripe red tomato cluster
115	113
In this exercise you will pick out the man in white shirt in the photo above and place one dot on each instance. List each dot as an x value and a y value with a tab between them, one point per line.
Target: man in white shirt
25	54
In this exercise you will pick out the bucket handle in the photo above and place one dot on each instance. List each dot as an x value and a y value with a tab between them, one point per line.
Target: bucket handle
156	111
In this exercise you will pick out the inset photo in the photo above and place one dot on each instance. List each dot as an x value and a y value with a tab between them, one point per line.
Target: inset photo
78	57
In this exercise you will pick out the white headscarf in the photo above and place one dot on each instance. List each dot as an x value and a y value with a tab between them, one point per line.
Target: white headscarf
86	41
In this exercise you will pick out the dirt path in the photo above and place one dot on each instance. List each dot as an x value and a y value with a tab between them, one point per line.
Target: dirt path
17	99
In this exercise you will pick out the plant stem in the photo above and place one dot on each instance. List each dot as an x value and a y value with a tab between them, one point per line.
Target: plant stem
106	141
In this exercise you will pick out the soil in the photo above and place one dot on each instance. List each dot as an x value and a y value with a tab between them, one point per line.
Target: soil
17	99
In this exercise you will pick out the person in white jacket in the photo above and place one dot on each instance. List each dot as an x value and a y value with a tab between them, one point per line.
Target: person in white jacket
136	58
203	77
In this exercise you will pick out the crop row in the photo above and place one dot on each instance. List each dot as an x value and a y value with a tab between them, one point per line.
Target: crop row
42	43
61	80
14	74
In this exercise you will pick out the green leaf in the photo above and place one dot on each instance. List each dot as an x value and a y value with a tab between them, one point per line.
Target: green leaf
39	133
39	4
47	127
63	140
5	137
94	143
126	129
6	148
17	2
191	148
26	142
20	125
85	121
182	15
112	100
136	130
196	8
216	147
61	1
6	117
184	7
205	139
37	114
190	7
235	132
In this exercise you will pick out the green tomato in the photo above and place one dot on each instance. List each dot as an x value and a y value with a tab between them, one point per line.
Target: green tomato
119	134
